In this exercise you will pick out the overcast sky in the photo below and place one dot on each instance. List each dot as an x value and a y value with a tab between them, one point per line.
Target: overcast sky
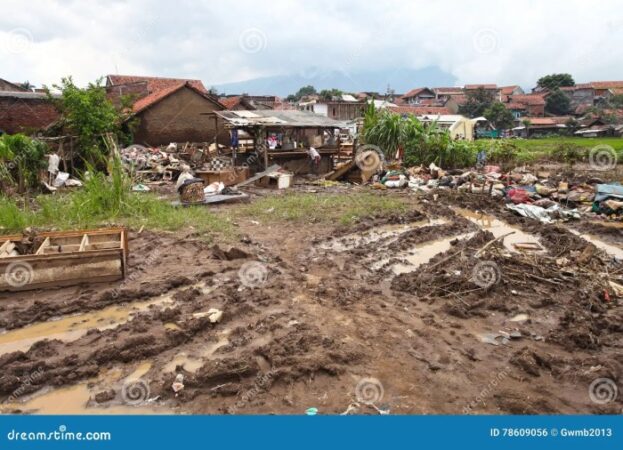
218	42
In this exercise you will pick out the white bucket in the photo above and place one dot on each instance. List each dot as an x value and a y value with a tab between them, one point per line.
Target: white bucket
284	181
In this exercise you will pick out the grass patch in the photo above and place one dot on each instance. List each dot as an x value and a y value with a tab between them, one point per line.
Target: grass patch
547	145
78	211
344	209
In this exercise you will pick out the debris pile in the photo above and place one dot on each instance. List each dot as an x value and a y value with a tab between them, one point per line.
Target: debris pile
539	196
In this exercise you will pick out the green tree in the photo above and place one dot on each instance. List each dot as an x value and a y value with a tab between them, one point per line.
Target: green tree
328	94
501	117
557	103
302	92
25	157
89	115
477	102
555	80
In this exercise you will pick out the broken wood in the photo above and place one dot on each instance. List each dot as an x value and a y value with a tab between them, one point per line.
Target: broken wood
63	259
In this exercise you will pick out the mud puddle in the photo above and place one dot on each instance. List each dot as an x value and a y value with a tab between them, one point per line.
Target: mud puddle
192	361
612	250
74	327
390	233
421	254
79	398
499	228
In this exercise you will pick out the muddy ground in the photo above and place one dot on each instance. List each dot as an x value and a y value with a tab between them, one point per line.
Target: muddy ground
384	316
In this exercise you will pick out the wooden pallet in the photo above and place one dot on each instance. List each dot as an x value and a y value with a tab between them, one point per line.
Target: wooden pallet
63	259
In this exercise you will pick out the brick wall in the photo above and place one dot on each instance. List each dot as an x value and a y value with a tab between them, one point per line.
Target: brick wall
135	90
25	115
178	118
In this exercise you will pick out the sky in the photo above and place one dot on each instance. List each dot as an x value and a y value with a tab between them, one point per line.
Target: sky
221	42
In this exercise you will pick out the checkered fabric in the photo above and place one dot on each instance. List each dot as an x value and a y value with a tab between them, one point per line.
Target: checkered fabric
220	163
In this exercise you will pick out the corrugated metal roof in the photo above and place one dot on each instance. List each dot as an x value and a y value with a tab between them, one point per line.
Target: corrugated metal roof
271	117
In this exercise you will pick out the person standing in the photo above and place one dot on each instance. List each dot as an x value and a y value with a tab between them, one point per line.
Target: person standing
314	157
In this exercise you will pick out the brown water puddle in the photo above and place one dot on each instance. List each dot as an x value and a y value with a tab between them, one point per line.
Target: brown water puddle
607	224
192	361
423	253
78	399
610	249
73	327
376	234
499	228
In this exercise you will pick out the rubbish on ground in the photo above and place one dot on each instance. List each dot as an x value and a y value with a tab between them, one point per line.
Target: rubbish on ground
178	384
519	318
140	188
617	288
311	411
215	315
527	246
544	215
53	259
352	408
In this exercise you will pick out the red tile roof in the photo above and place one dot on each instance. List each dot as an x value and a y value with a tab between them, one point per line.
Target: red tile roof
606	84
419	110
533	100
448	90
414	92
230	102
508	90
155	83
153	98
159	88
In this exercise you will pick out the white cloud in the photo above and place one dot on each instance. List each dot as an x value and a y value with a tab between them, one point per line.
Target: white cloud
476	41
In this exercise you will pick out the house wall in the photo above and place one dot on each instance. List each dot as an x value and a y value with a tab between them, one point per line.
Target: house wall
7	86
179	118
345	110
21	115
536	110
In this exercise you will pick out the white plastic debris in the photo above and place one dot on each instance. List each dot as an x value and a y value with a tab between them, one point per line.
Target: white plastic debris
178	384
186	175
61	178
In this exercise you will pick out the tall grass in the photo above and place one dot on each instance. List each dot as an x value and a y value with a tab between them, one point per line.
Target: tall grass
108	200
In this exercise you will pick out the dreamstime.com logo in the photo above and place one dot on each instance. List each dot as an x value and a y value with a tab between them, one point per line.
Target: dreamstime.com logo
602	391
252	40
369	391
369	158
18	274
135	392
485	40
602	157
486	274
18	41
253	274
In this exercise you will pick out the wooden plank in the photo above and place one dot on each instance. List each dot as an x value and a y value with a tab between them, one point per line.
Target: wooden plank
43	246
7	249
337	173
85	257
84	243
259	175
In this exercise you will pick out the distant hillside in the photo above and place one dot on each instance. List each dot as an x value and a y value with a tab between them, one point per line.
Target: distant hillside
401	80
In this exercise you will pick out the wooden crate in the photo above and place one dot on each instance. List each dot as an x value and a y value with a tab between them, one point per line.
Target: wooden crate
63	259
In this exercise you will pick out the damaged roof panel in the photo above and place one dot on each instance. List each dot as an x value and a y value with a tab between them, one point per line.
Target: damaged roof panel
288	118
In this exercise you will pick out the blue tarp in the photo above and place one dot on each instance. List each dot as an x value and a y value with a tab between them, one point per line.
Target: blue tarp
605	191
